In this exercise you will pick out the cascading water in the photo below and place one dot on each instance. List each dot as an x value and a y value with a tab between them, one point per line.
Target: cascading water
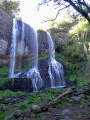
32	45
55	68
33	73
21	45
13	48
27	45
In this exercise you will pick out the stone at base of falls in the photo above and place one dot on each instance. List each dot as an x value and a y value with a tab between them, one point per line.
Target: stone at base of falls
25	84
17	113
19	84
27	113
22	84
43	69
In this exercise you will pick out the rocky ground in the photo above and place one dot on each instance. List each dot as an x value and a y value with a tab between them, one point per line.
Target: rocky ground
75	106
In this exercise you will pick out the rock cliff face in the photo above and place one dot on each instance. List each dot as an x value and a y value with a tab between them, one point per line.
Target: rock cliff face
5	37
5	32
43	43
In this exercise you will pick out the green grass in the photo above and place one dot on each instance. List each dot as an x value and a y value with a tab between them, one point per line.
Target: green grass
34	98
43	57
8	93
3	114
4	71
77	113
5	80
60	104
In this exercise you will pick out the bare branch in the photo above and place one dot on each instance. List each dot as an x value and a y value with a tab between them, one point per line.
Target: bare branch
52	19
76	4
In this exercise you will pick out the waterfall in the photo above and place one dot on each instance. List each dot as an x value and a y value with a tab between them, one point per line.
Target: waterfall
27	44
21	44
33	73
31	39
55	70
13	48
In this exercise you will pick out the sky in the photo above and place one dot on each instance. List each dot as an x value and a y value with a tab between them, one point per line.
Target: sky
35	18
30	14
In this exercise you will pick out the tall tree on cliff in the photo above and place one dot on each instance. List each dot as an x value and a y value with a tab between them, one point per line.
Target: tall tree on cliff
81	6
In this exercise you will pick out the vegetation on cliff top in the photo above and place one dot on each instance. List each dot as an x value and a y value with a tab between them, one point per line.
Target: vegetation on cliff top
10	7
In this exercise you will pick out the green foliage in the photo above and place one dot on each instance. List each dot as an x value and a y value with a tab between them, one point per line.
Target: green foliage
10	7
77	113
34	98
78	31
5	80
3	71
63	26
60	104
74	70
75	52
3	114
8	93
82	26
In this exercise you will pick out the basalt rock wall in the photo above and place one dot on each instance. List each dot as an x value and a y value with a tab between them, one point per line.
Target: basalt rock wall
5	37
24	47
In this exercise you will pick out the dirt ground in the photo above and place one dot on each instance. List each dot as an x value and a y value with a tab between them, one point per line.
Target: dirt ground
79	111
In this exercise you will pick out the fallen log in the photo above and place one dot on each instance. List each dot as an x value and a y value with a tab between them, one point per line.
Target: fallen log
52	103
45	107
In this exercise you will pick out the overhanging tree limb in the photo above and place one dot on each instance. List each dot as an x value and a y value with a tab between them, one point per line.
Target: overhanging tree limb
81	11
79	5
56	14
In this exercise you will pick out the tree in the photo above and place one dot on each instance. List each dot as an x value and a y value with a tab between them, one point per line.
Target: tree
11	7
81	6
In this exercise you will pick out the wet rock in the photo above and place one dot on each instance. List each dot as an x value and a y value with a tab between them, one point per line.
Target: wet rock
66	111
23	84
43	43
27	113
17	113
10	119
20	118
36	109
83	105
88	104
69	100
76	98
9	100
79	116
82	96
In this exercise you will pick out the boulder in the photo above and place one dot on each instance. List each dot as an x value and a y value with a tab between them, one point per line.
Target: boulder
36	108
18	113
27	113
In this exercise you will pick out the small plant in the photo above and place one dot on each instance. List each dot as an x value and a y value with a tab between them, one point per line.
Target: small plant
77	113
3	114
